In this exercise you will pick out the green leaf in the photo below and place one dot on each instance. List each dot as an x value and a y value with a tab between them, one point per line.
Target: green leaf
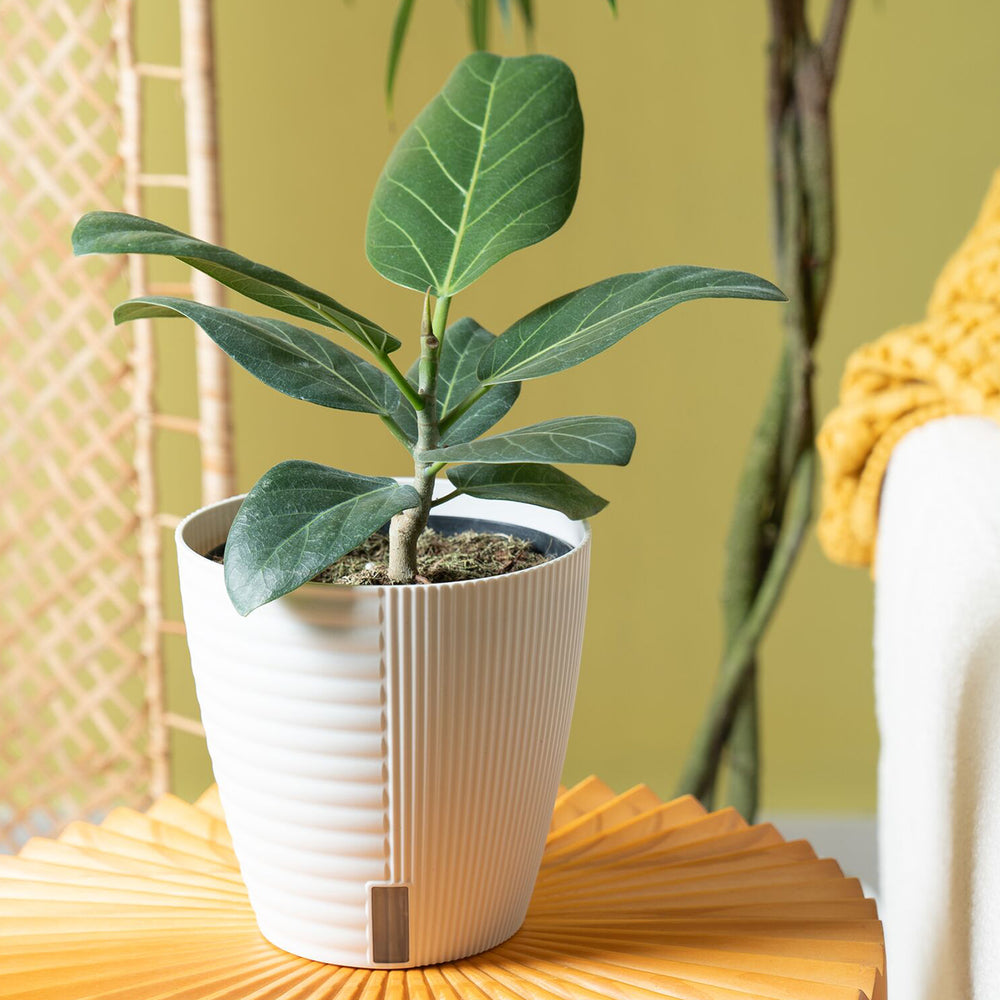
297	362
298	519
528	482
115	232
399	29
490	166
528	13
574	327
479	23
579	440
463	343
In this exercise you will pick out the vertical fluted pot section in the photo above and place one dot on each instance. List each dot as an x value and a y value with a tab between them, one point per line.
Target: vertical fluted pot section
388	757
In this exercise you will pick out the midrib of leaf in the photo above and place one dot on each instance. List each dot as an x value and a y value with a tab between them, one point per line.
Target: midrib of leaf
297	534
339	320
238	279
446	402
262	334
513	222
569	336
460	234
556	436
413	244
581	330
447	397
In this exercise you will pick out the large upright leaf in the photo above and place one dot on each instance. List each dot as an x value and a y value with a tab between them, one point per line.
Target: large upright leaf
491	165
298	519
115	232
580	440
574	327
463	343
297	362
528	482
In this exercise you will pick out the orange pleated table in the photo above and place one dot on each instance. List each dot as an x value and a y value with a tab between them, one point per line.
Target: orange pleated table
636	898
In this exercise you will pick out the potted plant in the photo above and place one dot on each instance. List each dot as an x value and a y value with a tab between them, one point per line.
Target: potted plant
388	752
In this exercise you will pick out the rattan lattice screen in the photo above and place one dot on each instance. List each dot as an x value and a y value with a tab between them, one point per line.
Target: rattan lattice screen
82	719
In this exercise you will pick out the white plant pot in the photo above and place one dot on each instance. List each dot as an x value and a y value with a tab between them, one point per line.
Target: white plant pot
388	757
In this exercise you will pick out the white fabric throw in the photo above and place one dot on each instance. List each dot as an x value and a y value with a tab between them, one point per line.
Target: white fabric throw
937	686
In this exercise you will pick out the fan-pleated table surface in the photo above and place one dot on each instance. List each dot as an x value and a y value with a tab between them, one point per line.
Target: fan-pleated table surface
636	898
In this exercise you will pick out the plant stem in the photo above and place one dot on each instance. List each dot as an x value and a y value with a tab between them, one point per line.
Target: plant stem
752	533
402	382
464	406
775	496
737	663
405	528
383	359
397	431
447	497
440	320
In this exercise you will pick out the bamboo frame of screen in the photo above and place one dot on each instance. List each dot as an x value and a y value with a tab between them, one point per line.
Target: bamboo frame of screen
196	76
83	719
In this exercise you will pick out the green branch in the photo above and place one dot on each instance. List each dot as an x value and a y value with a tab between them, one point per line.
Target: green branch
775	492
740	655
447	497
402	382
397	431
458	411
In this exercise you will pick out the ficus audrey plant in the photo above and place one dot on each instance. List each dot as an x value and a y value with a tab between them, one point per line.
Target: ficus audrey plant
490	166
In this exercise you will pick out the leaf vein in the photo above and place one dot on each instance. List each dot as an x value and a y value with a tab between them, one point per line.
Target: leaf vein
416	197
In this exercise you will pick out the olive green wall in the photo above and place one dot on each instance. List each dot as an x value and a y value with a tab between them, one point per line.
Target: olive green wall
674	172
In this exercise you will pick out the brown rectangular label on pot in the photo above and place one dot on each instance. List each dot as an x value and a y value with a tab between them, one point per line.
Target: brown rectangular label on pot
390	924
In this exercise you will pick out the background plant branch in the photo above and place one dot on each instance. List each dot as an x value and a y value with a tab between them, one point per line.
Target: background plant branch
774	502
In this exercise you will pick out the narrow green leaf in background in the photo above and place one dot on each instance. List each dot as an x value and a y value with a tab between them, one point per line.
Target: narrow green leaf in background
575	327
116	232
579	440
490	166
528	482
298	519
528	13
399	29
463	343
479	23
297	362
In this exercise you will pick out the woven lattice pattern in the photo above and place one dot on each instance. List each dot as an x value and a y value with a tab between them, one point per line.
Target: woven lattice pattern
72	718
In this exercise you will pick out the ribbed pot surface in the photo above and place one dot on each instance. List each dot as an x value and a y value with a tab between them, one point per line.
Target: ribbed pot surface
388	757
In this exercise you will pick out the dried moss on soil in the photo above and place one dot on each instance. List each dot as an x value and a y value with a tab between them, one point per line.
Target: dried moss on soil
471	555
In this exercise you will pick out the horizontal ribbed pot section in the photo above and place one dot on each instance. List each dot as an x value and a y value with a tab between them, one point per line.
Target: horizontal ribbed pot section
409	737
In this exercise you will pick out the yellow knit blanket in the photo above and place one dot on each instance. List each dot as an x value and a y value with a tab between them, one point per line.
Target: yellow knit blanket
947	364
